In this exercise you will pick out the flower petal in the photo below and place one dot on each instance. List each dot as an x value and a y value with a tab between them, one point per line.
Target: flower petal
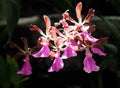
73	42
64	23
35	28
87	36
44	52
57	65
89	63
78	11
69	52
26	69
98	51
89	16
47	21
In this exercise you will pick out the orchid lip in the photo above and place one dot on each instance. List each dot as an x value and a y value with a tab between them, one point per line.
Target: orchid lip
68	52
26	69
44	52
57	65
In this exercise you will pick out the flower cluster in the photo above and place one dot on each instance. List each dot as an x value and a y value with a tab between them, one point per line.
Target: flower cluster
63	40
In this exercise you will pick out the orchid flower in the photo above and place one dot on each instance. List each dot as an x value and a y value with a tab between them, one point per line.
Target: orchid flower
44	41
79	25
27	52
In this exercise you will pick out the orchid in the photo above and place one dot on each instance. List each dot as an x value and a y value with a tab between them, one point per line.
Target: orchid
43	40
72	37
27	52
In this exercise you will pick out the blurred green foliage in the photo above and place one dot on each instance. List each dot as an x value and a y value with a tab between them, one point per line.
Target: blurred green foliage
9	12
8	70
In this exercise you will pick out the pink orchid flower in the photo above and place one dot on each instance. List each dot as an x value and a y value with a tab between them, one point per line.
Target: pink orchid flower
79	25
44	41
27	52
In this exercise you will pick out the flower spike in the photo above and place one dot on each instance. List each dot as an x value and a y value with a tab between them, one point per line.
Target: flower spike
62	41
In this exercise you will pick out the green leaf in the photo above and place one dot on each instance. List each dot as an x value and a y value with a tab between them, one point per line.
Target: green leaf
106	62
112	27
8	73
9	11
112	48
4	75
13	68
